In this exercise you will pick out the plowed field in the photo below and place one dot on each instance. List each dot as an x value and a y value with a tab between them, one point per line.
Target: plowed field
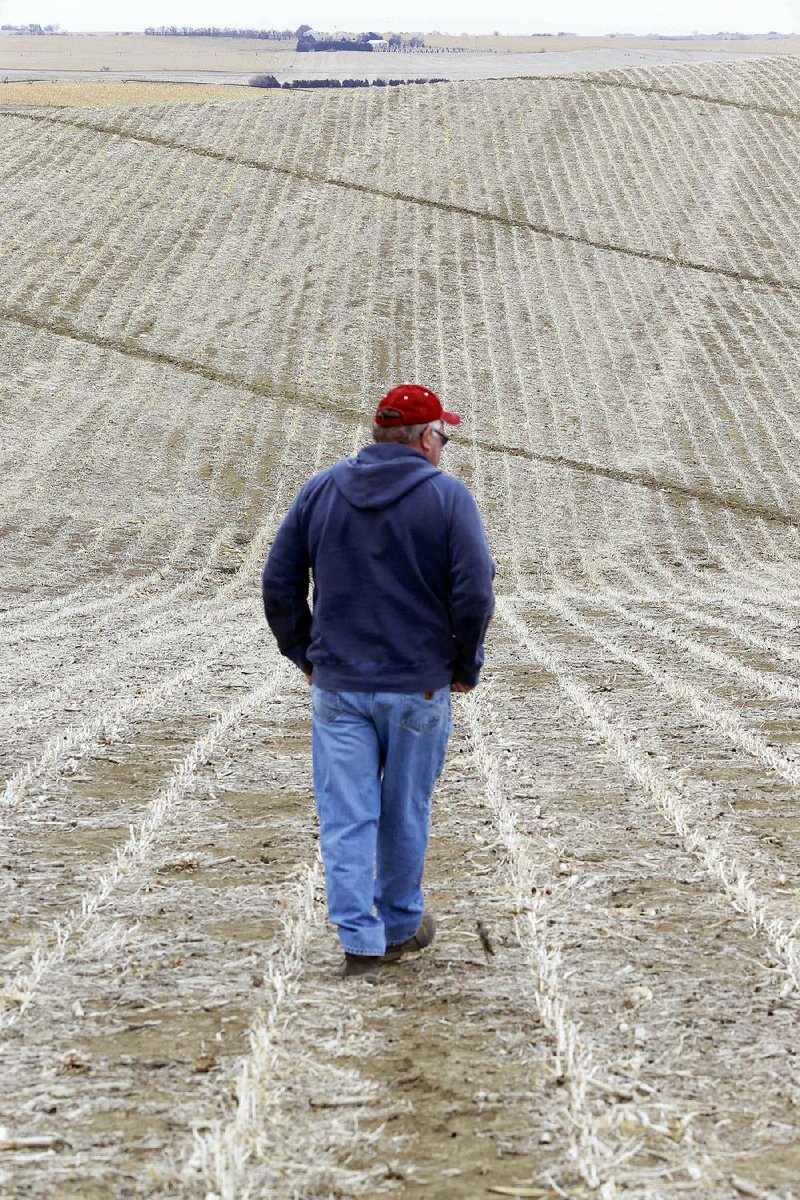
200	305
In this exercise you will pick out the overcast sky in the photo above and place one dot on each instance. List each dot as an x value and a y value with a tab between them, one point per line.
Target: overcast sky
454	16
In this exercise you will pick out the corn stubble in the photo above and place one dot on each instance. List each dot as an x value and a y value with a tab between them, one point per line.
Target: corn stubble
200	303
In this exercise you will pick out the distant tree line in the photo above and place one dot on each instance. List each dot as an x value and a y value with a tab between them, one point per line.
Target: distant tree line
308	40
30	29
269	81
269	35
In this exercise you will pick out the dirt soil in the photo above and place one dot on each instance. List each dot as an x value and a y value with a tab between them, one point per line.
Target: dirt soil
200	305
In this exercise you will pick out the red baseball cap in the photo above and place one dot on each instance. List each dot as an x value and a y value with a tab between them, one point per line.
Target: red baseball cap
412	404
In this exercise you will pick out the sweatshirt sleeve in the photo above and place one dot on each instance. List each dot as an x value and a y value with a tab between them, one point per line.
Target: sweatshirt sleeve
471	598
284	588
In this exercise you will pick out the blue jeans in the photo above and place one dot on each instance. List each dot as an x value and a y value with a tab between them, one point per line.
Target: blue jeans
376	758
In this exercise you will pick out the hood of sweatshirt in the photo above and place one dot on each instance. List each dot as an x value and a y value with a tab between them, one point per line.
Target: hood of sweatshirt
381	474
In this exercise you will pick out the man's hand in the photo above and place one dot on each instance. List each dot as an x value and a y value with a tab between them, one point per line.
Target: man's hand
307	677
455	686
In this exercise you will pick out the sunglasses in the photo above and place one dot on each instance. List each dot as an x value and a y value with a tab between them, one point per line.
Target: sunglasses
443	436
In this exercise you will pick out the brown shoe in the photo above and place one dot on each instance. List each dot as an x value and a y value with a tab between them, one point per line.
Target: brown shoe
418	941
361	964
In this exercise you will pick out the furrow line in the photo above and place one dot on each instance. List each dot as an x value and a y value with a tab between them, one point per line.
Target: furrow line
721	866
169	633
222	1155
81	739
646	594
723	101
714	714
573	1062
616	475
133	855
256	1148
779	686
439	205
32	630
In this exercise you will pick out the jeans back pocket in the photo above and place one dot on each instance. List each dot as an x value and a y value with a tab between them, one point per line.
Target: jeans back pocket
424	716
325	705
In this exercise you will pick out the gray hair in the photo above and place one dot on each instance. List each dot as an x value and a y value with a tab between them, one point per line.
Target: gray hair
404	434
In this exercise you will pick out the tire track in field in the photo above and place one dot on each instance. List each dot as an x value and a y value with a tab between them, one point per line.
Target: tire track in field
724	101
437	205
61	328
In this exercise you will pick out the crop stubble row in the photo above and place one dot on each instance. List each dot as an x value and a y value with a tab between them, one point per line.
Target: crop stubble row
523	334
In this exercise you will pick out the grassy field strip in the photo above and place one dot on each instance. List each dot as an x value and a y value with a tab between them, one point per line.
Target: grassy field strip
703	526
591	110
602	244
66	94
64	384
594	1157
77	924
723	867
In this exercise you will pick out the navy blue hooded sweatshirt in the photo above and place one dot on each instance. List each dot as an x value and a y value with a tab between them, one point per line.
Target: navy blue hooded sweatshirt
402	576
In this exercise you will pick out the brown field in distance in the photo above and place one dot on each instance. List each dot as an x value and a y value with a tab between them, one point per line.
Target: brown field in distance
64	94
133	52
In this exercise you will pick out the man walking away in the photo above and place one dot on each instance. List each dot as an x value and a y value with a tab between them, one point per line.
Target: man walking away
402	598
